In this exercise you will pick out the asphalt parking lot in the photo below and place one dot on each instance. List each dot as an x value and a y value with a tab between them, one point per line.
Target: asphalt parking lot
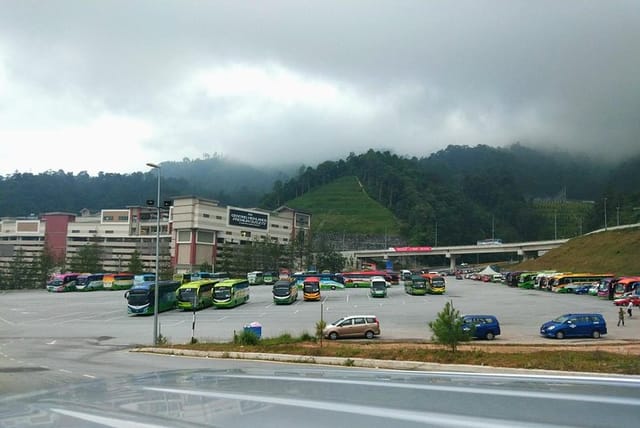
102	314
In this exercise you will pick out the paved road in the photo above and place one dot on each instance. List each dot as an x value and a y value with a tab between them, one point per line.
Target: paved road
47	338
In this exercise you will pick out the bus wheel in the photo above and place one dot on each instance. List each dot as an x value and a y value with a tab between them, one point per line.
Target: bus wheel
333	335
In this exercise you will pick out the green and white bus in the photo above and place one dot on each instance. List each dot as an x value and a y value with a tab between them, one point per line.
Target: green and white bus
255	277
196	294
285	292
417	285
230	293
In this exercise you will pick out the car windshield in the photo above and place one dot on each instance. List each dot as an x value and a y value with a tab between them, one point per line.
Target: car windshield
561	319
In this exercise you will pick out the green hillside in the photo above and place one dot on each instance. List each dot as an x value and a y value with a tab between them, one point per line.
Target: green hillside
563	219
617	252
344	206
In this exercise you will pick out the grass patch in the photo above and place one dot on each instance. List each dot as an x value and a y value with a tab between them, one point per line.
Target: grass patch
508	356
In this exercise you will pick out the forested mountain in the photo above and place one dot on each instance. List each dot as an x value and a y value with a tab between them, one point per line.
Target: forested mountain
454	196
22	194
462	194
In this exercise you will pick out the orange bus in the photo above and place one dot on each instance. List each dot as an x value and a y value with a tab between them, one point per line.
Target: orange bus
311	288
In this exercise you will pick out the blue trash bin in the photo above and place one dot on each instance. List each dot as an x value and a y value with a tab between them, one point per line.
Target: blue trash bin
254	328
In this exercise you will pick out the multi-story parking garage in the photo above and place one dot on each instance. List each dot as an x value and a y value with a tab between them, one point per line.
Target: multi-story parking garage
191	232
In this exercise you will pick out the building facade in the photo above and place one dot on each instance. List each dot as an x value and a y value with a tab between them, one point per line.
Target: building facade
192	232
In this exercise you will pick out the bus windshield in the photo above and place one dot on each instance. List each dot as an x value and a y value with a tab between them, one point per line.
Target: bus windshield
140	297
221	293
281	290
187	294
311	287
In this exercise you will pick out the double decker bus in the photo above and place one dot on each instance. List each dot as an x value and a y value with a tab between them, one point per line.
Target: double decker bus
230	293
194	295
285	292
435	283
311	288
141	297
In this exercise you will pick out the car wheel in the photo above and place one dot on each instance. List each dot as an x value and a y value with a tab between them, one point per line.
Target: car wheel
560	335
489	335
333	335
369	334
596	334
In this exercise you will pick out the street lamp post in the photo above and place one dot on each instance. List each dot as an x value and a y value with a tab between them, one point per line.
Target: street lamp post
605	213
155	292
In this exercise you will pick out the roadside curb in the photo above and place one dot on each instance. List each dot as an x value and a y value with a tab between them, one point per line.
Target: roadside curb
365	362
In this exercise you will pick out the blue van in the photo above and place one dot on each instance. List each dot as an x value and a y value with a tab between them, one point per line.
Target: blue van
483	326
575	325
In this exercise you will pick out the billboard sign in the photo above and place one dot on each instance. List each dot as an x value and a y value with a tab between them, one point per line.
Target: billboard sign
244	218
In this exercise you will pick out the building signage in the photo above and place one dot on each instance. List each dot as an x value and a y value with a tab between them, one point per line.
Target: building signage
243	218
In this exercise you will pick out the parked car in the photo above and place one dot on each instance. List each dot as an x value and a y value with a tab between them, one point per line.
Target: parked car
483	326
575	325
353	326
624	301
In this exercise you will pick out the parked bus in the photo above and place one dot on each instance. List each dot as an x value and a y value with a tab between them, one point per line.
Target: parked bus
311	288
143	277
195	293
378	287
182	278
527	280
141	297
255	277
230	293
89	282
362	278
269	278
435	283
566	282
285	292
626	284
61	282
417	285
122	281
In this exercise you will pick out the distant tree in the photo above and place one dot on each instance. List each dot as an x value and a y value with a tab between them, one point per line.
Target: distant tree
135	263
87	259
206	267
44	265
326	258
20	273
447	328
166	268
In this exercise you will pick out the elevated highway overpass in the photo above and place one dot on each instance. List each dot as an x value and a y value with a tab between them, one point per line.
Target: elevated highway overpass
526	250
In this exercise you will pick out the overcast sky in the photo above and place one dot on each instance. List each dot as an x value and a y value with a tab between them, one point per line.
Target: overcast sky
111	85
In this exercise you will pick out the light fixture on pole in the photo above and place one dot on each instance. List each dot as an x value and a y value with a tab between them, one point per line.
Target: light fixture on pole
155	292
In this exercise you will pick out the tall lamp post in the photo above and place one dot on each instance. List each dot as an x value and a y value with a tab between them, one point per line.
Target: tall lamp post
155	292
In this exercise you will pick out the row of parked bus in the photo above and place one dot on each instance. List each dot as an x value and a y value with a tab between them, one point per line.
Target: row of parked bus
596	284
192	295
70	281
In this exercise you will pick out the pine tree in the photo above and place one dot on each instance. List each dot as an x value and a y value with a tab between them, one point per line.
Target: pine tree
447	328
